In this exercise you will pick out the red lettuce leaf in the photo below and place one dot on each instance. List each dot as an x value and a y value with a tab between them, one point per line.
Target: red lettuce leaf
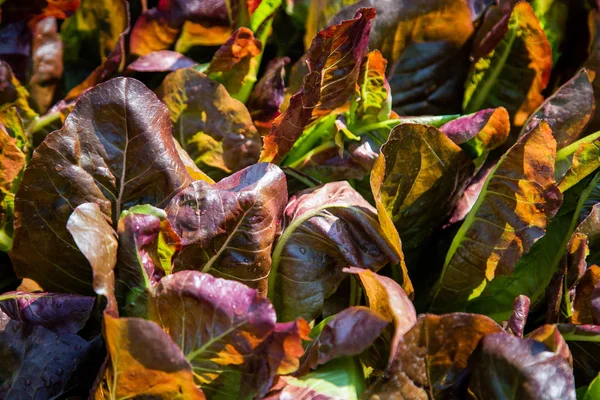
101	155
333	60
59	313
228	229
506	367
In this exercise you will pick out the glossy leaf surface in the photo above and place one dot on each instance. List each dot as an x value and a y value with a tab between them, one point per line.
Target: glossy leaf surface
228	229
432	356
215	129
513	368
511	213
515	85
99	156
333	60
325	230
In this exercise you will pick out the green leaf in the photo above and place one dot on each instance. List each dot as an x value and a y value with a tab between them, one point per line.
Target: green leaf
373	102
593	390
341	378
553	16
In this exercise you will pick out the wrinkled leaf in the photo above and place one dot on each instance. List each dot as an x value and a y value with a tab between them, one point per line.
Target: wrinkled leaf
534	271
568	110
228	229
325	229
374	99
115	150
217	323
333	61
59	313
422	166
433	355
147	245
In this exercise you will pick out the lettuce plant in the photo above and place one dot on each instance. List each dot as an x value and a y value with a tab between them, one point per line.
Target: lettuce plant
309	199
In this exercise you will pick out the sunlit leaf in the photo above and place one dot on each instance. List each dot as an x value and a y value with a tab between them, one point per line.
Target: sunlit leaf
510	215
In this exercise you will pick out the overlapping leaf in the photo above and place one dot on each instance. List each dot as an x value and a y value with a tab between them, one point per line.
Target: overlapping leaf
510	215
95	33
144	362
506	367
422	165
115	150
432	356
215	129
388	299
217	323
568	110
516	84
333	61
228	229
325	230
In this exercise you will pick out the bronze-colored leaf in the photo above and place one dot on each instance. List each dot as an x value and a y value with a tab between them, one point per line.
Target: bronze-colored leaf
512	212
333	60
432	356
115	150
144	363
215	129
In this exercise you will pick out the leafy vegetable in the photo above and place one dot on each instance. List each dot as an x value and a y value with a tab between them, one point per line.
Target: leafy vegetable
515	85
98	156
228	228
144	362
509	367
511	213
248	219
568	110
333	66
215	129
433	354
325	230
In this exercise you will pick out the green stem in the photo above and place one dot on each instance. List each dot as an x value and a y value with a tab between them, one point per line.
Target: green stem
324	146
389	124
